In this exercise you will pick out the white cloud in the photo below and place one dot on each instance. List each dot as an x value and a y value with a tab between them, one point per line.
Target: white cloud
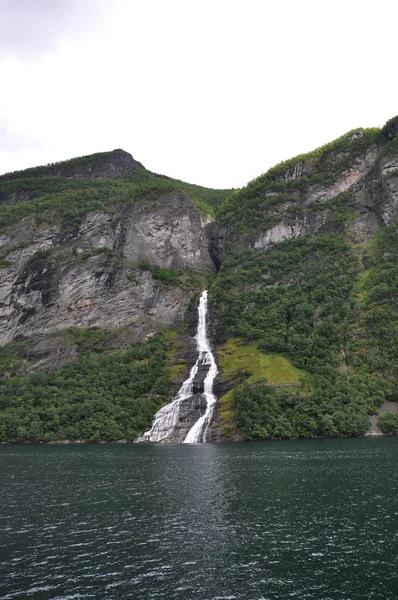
209	92
30	28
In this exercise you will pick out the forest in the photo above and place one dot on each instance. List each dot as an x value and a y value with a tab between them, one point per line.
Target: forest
101	396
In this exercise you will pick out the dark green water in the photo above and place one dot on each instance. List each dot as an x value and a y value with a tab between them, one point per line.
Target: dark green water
307	520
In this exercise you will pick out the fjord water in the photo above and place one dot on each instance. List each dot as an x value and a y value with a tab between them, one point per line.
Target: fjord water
307	520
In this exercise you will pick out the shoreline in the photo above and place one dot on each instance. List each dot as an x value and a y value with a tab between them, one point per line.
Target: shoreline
104	443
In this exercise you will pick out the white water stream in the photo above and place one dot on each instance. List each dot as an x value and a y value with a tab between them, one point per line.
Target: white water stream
166	419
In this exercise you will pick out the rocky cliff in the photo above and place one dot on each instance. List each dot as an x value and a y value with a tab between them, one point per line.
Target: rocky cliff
137	266
300	197
92	271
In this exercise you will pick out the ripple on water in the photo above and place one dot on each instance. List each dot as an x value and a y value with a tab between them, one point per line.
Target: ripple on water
309	520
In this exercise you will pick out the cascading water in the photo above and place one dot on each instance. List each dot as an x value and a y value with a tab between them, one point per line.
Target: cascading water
198	431
166	419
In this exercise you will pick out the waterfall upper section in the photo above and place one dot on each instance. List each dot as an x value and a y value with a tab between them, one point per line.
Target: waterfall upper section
186	418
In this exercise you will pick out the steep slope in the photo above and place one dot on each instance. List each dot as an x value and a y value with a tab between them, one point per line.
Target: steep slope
103	270
99	242
309	271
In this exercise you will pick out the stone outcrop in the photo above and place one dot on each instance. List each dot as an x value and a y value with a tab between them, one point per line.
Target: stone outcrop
389	180
166	232
345	182
94	271
372	209
300	226
296	170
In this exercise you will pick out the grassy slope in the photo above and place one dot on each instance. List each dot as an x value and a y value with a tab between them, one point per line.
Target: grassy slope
236	356
245	361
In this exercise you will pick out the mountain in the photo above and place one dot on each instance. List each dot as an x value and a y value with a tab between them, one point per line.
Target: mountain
102	263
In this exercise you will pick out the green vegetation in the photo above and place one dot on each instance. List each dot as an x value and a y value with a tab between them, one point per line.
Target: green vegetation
99	396
373	336
4	263
298	299
388	422
293	297
67	168
86	196
249	366
183	278
325	303
12	357
167	276
41	255
104	250
237	356
258	206
330	159
47	198
389	133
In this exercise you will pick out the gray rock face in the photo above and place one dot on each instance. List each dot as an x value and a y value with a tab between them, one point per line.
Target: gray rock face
363	228
167	233
86	272
297	170
302	225
93	271
367	169
190	411
389	178
13	198
346	182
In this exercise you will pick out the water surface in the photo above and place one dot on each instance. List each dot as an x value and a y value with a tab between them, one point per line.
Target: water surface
307	520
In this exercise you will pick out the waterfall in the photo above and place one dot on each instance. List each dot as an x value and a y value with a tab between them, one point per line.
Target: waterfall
206	358
166	419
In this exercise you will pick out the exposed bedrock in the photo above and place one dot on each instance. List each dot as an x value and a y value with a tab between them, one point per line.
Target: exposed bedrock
94	271
373	183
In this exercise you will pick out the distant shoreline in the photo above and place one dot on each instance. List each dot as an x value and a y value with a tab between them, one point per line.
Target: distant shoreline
103	443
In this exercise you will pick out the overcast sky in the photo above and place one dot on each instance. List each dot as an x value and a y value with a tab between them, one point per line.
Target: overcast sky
210	92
